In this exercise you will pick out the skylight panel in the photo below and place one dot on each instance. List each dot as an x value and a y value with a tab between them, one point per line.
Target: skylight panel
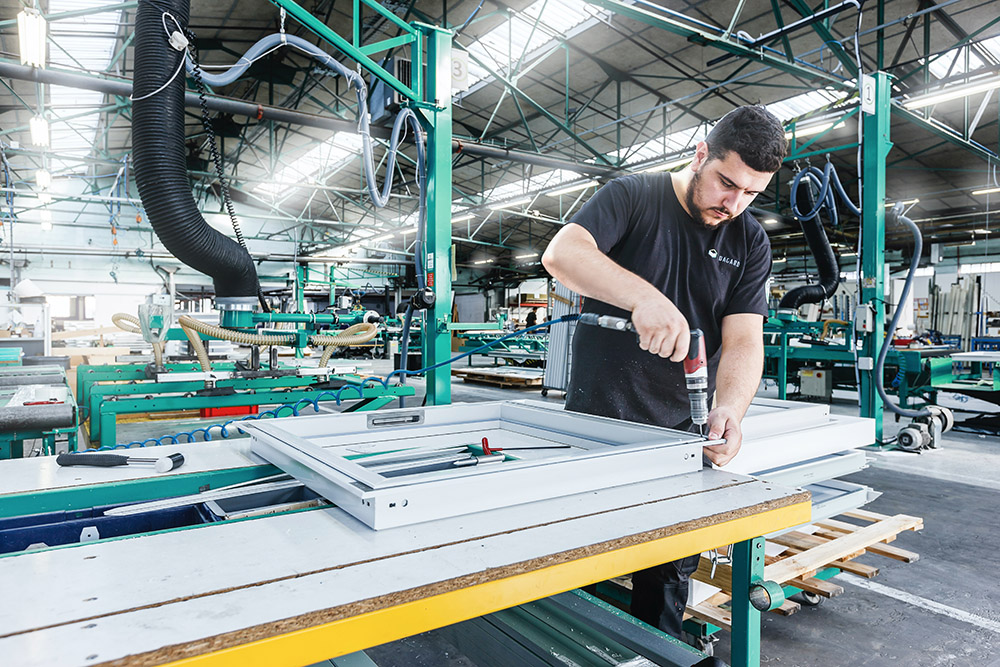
83	42
504	46
310	167
799	105
953	62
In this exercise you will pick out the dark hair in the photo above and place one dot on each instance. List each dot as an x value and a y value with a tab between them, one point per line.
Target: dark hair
754	133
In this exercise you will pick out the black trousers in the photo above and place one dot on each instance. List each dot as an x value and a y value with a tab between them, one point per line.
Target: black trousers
660	593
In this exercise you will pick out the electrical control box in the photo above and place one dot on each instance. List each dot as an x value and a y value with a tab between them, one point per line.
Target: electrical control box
816	382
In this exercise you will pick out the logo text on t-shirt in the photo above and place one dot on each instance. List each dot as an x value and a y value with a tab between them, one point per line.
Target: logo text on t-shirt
714	254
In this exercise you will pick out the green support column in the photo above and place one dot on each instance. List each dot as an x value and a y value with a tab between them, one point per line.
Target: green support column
300	299
748	568
876	151
437	337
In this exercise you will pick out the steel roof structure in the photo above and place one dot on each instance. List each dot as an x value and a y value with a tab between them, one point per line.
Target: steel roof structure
561	95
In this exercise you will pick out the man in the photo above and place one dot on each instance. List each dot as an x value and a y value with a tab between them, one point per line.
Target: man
674	252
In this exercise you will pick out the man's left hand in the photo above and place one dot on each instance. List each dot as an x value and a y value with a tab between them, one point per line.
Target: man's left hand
723	423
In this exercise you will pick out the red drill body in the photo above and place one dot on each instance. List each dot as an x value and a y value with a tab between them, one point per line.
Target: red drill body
696	376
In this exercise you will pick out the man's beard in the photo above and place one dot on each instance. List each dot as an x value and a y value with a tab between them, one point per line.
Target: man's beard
700	214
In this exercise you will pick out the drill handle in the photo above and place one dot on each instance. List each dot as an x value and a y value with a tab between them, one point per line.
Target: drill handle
696	358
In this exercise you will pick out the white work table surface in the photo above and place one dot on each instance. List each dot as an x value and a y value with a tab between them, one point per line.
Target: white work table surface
302	587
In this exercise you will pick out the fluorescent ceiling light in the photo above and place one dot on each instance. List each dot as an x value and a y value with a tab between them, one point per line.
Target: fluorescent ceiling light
980	231
952	93
988	191
573	188
780	260
509	204
31	37
46	218
463	217
383	237
527	256
483	261
39	131
43	179
985	267
908	202
668	165
407	230
44	198
769	221
800	132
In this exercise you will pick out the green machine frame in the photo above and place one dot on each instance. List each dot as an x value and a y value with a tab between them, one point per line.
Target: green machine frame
108	391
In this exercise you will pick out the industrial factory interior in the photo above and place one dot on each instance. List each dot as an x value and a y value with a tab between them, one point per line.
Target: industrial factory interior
488	333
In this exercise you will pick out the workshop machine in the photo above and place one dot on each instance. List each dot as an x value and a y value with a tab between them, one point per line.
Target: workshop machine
35	404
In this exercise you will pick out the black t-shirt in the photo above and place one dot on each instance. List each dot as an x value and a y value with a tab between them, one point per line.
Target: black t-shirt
707	273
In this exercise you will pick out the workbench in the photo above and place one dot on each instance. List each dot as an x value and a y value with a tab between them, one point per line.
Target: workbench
297	588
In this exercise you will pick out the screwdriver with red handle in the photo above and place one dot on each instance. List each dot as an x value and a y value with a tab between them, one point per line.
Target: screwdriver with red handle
695	364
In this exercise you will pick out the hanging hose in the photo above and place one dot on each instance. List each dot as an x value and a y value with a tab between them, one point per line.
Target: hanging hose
918	247
197	344
131	324
819	244
241	337
160	158
357	334
267	44
404	349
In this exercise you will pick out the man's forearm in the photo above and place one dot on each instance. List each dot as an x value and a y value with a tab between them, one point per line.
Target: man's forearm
738	376
576	262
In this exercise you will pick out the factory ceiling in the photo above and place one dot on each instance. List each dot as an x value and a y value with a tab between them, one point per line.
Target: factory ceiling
560	96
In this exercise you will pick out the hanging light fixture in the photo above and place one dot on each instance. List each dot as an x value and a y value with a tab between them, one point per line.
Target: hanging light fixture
43	178
39	131
46	217
31	37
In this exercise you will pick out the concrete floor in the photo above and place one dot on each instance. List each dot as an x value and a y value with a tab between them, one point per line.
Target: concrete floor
943	610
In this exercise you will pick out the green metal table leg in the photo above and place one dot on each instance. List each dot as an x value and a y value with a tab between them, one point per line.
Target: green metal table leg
748	567
108	432
783	368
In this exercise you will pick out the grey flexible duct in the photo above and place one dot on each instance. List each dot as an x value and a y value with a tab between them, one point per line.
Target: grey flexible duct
160	159
918	248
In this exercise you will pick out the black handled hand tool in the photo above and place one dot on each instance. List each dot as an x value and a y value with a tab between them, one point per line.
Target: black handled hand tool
162	464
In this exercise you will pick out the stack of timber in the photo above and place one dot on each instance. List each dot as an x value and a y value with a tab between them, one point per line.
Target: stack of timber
810	559
502	376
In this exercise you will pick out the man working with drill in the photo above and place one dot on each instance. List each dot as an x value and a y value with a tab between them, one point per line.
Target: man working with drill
673	252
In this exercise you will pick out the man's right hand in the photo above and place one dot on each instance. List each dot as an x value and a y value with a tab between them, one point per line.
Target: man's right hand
662	329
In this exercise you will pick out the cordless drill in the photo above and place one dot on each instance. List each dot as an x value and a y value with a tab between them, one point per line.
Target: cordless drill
695	364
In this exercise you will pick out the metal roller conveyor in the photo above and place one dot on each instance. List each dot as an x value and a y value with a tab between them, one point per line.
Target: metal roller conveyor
22	375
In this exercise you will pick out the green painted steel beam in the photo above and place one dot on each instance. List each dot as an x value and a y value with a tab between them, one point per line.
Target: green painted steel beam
438	251
345	47
514	90
877	145
707	39
829	40
943	131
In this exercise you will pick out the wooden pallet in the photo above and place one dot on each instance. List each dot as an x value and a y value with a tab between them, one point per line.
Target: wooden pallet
520	378
834	544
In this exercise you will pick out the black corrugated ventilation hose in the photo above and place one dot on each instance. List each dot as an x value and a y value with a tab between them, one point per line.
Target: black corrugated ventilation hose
822	252
159	152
